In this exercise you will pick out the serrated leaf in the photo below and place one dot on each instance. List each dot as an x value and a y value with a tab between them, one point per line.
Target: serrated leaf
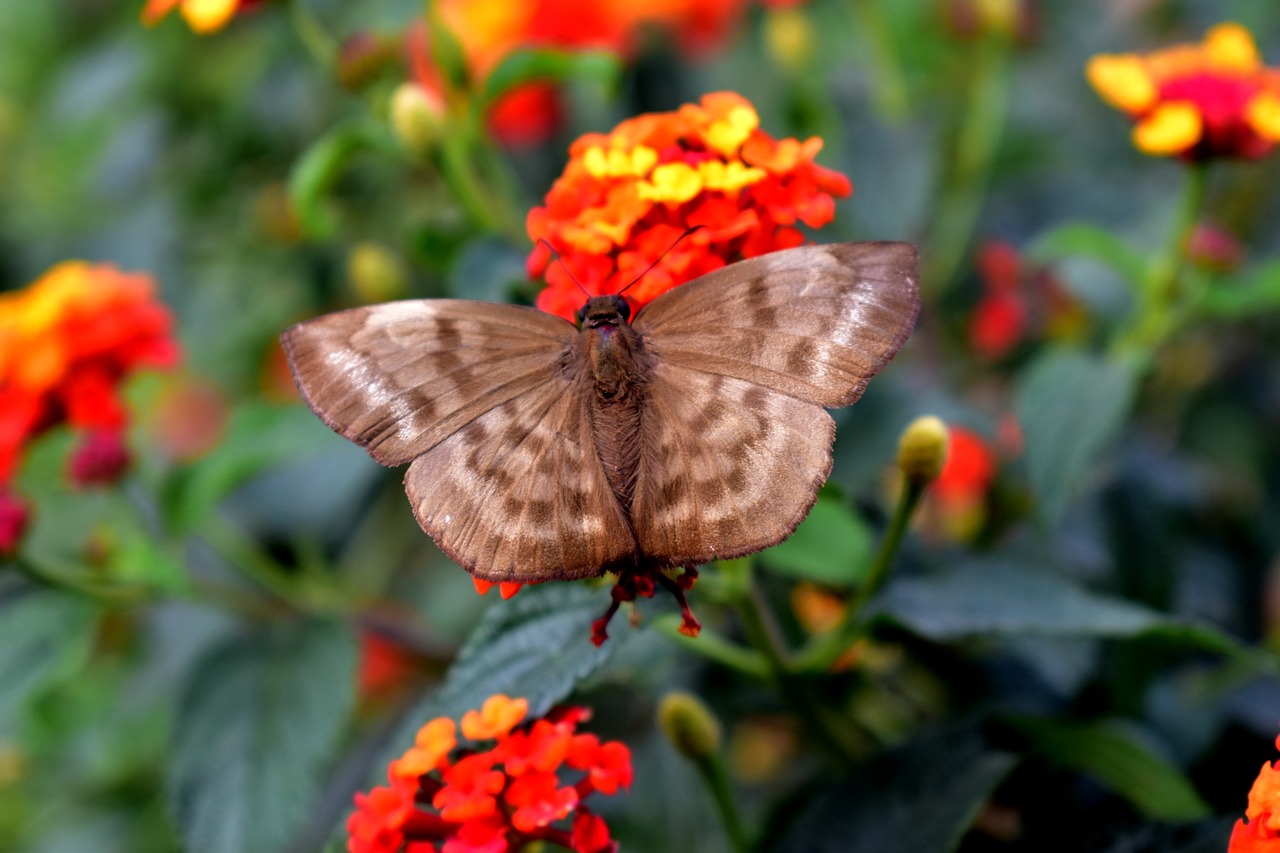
258	437
1071	406
1083	240
920	797
536	645
831	546
551	66
1253	292
1111	755
257	719
44	633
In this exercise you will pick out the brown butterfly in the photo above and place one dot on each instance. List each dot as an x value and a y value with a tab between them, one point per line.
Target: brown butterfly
544	451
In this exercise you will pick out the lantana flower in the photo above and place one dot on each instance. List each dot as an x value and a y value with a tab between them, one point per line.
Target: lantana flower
1196	101
1019	300
488	30
627	196
67	342
1261	832
498	793
203	16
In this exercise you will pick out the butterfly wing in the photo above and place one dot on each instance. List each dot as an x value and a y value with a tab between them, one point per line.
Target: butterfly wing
486	400
737	443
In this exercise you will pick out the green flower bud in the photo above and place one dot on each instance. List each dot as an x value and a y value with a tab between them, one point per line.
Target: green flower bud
689	725
922	449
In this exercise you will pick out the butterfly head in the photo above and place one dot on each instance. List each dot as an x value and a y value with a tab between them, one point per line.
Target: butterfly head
604	311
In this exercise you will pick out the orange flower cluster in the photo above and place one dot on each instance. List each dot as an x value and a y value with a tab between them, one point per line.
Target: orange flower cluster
203	16
1019	300
627	196
66	343
1262	833
1196	101
488	30
494	799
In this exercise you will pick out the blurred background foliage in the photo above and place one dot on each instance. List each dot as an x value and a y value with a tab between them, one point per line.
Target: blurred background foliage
1076	651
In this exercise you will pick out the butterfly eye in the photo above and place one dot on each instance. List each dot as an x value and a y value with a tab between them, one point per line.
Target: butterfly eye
624	307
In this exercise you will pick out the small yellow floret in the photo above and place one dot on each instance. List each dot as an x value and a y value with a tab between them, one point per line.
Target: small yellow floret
1171	129
1263	115
728	177
1230	47
1123	81
208	16
675	183
616	163
728	134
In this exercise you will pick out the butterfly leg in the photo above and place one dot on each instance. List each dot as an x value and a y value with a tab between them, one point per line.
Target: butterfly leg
689	625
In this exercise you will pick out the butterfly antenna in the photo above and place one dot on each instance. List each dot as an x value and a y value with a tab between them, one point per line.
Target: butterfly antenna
552	249
660	257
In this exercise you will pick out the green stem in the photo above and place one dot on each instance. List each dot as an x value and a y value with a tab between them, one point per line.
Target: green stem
964	191
76	582
241	553
459	172
889	88
322	47
711	768
713	647
1161	294
825	649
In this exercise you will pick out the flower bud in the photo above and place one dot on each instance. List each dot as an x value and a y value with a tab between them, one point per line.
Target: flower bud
100	460
788	36
375	273
363	56
922	449
689	725
417	116
15	515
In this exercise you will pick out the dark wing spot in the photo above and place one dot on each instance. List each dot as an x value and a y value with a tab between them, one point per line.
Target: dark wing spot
801	358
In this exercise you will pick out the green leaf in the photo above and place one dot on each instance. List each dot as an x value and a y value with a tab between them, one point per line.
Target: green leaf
447	54
259	437
1110	754
831	546
322	164
550	66
1072	406
921	797
1255	291
45	634
1082	240
256	721
536	645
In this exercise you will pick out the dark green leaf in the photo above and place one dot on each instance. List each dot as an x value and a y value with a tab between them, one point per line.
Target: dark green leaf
1082	240
1111	755
551	66
1071	406
831	546
44	633
921	797
256	721
1253	292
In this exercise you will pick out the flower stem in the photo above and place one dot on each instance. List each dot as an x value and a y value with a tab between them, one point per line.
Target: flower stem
712	770
318	43
825	649
889	89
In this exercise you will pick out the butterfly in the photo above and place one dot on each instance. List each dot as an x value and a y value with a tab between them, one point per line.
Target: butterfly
543	450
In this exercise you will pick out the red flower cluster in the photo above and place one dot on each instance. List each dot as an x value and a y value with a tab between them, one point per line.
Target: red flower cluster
1262	832
66	343
626	197
1018	301
495	799
1197	101
488	30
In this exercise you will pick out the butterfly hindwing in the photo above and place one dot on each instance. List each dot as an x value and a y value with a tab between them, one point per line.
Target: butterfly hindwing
815	322
401	377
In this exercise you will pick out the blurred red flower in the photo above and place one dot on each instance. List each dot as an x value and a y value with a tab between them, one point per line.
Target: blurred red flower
203	16
1261	834
1019	301
625	197
497	798
67	342
1196	101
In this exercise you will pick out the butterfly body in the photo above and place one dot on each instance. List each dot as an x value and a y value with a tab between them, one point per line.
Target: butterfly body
542	451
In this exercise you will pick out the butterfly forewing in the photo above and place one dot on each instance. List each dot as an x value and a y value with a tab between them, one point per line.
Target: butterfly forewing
728	468
519	493
815	322
401	377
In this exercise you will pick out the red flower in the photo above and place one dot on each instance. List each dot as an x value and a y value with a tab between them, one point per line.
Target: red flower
100	459
1261	834
626	197
496	798
1019	300
1196	101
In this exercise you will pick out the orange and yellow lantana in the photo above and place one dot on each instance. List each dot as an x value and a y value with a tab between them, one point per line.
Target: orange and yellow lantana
1262	832
203	16
1197	101
626	197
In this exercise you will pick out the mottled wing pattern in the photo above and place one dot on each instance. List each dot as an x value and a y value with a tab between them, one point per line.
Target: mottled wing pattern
736	443
815	322
401	377
728	468
519	494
